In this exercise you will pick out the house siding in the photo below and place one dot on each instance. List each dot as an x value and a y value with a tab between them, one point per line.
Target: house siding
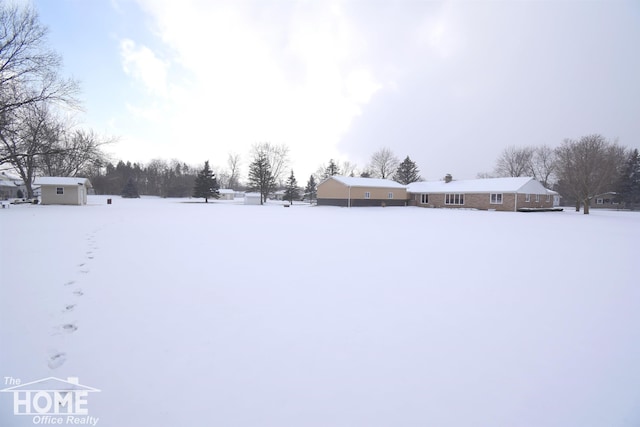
334	193
73	195
483	201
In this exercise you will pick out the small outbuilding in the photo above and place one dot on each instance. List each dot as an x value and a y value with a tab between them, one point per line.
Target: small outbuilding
226	194
55	190
252	198
355	191
501	194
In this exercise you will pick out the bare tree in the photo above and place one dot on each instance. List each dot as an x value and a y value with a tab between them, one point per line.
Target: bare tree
31	135
348	168
233	163
72	153
514	161
588	167
28	67
543	165
383	163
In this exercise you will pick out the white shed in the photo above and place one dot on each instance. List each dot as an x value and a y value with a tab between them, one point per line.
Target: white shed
251	198
55	190
226	194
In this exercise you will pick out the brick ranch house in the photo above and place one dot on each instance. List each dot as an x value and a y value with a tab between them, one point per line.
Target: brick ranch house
354	191
501	194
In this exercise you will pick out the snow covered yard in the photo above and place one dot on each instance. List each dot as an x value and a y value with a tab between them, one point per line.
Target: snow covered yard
226	315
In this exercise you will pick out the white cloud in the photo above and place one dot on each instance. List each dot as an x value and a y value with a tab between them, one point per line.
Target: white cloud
283	73
143	65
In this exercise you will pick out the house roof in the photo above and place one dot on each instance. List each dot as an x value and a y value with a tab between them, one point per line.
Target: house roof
62	180
51	384
522	185
226	191
351	181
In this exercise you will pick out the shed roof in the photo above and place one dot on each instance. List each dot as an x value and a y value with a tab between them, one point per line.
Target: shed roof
351	181
522	185
62	180
226	191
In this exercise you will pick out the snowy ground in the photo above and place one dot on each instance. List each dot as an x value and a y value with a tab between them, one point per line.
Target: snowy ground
228	315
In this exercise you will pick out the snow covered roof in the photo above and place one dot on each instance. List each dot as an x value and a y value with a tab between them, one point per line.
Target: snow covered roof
351	181
252	194
61	180
226	191
522	185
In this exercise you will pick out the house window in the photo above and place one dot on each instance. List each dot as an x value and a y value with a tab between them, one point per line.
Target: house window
496	198
537	198
548	197
527	198
424	199
390	196
599	201
59	190
454	199
367	195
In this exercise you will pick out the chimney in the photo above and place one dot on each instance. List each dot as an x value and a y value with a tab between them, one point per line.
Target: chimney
448	178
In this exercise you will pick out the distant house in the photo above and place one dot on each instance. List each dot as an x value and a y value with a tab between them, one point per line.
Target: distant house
63	190
502	194
351	191
11	187
278	195
252	198
605	200
226	194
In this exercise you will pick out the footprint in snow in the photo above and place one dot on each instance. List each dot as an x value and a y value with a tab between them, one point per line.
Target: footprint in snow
69	328
57	360
84	271
68	308
81	265
78	292
70	282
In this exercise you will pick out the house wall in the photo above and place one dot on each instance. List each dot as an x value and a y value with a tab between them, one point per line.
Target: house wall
333	193
483	201
73	195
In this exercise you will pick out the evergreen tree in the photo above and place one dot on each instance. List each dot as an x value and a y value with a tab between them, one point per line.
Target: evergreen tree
206	185
291	191
130	191
629	184
261	178
331	170
407	172
365	174
310	190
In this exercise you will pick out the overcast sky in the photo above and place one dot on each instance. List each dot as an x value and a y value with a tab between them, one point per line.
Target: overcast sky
450	84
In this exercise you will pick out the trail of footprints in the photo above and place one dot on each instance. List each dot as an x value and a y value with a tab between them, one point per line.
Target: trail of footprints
58	358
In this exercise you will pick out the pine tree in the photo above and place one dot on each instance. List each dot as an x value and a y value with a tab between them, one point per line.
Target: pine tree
331	170
130	191
407	172
310	190
291	191
206	185
260	177
629	183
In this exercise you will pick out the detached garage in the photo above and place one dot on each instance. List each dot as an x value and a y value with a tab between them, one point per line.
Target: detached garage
352	191
63	190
